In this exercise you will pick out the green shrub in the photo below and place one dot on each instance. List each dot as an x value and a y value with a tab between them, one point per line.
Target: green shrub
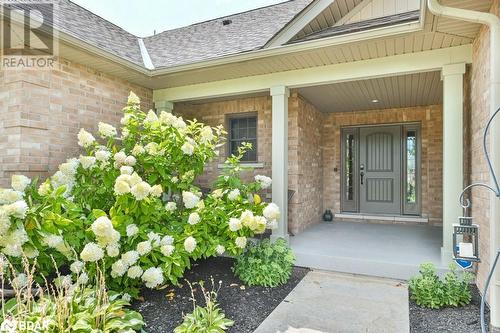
429	291
208	318
265	264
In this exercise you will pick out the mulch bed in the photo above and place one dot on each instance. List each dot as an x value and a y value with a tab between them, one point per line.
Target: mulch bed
457	320
247	306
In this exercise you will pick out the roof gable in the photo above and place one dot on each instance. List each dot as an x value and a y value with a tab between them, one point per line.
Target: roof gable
327	15
299	22
362	25
372	9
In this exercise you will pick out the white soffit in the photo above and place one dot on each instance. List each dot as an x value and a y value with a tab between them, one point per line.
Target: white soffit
417	89
376	48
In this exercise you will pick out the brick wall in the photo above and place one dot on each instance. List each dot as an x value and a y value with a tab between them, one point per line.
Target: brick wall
305	164
41	111
431	171
314	150
217	113
304	148
480	111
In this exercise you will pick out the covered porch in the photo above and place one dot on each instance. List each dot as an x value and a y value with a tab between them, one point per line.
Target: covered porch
385	250
300	126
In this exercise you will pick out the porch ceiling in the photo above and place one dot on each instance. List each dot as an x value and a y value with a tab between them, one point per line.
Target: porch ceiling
391	92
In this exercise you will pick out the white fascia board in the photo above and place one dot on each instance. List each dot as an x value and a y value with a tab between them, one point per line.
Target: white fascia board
425	61
299	23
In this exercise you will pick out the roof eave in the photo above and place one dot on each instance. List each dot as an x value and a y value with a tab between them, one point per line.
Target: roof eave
76	42
386	31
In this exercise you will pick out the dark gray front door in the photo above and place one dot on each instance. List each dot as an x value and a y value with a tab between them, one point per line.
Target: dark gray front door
380	170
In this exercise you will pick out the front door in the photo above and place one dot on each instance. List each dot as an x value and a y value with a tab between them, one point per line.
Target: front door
380	170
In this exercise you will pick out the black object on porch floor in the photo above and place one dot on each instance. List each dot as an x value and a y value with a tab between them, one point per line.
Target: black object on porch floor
247	306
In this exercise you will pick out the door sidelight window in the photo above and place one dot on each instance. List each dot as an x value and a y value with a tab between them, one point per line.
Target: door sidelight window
411	163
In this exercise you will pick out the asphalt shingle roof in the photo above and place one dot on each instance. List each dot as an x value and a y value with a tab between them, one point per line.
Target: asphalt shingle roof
212	39
93	29
247	31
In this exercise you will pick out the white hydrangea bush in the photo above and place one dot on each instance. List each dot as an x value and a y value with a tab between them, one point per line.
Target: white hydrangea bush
38	223
130	203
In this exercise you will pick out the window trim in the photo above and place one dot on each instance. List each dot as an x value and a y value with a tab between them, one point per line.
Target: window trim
241	115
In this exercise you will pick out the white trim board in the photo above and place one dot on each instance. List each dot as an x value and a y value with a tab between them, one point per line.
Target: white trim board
146	59
255	165
425	61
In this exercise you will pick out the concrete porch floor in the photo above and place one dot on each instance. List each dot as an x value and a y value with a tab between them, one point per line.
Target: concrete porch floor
384	250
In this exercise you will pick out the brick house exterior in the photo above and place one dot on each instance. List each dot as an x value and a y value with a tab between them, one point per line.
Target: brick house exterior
314	150
479	106
42	111
244	72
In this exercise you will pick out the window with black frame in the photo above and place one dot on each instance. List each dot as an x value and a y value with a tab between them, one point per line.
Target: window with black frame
243	128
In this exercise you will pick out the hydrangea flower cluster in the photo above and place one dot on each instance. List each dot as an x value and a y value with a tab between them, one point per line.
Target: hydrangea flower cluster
130	203
13	207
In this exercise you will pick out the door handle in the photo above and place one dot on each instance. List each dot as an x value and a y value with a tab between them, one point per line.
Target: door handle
361	173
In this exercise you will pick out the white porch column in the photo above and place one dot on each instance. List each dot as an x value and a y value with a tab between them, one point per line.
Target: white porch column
164	106
280	96
453	174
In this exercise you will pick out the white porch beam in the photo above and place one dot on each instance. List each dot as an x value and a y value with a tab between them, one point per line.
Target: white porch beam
380	67
453	147
280	96
164	105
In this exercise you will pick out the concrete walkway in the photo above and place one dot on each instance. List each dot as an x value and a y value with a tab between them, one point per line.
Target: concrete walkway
325	302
